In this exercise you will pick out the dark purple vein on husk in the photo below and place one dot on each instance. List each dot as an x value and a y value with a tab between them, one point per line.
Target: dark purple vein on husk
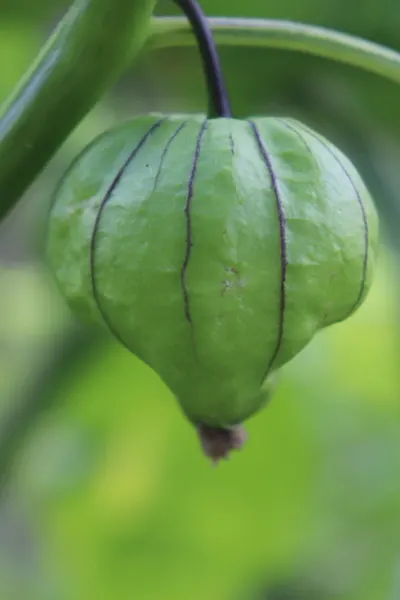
297	132
326	146
232	144
165	152
283	244
104	202
188	206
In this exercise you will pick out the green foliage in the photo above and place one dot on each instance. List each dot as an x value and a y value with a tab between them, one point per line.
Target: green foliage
110	496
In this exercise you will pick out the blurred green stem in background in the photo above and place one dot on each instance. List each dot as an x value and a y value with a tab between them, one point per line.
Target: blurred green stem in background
69	353
287	35
94	44
90	49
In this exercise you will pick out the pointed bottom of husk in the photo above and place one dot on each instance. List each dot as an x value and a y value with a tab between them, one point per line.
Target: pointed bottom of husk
218	443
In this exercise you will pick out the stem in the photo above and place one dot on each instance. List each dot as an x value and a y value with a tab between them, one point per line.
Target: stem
89	50
264	33
218	97
70	353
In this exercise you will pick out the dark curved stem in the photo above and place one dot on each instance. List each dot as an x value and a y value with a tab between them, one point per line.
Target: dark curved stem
218	98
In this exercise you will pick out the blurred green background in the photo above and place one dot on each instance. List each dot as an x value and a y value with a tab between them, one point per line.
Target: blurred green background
104	491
